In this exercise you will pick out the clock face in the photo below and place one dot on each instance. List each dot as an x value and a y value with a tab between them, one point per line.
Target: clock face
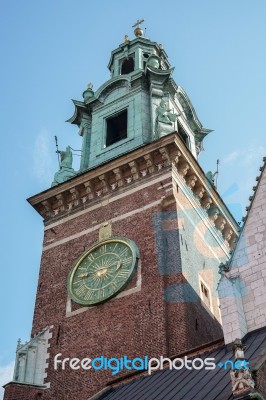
102	271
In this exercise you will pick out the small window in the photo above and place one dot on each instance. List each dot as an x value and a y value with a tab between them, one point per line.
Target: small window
205	294
127	66
183	136
116	128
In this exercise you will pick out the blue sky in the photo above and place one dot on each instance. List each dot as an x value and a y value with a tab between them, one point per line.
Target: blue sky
51	50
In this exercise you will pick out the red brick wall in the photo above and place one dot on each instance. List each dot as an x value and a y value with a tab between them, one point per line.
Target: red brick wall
138	324
15	391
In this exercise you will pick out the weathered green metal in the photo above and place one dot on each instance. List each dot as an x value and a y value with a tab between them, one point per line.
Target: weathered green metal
66	171
102	271
155	106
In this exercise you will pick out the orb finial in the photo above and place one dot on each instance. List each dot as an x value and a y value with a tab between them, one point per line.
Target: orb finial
138	31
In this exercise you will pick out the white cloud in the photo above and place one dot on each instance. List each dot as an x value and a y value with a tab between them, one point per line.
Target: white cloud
231	157
244	157
43	157
6	375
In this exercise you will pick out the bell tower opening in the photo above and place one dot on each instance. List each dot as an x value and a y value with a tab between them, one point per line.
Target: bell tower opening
184	136
127	65
116	128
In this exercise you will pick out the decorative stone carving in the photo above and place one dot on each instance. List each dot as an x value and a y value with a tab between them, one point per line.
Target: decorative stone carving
102	179
200	192
228	233
89	190
118	176
206	202
164	119
220	223
241	378
164	115
144	172
165	156
183	169
177	158
213	213
99	192
129	179
75	196
149	163
191	181
114	185
61	203
134	170
47	208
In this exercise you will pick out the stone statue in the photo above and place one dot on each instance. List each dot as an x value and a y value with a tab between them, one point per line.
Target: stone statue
210	176
66	171
66	158
241	380
164	115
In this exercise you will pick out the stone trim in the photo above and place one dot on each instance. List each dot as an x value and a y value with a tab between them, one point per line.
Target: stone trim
97	227
100	184
115	197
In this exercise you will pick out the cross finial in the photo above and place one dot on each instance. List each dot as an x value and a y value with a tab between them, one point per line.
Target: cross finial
138	31
137	24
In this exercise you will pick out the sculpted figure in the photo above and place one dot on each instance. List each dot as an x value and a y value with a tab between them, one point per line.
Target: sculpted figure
164	115
66	171
66	158
241	380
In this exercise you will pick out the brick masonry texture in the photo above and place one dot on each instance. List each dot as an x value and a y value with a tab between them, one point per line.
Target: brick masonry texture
22	392
139	324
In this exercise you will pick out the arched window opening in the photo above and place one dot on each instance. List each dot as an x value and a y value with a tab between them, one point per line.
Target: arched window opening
116	128
127	66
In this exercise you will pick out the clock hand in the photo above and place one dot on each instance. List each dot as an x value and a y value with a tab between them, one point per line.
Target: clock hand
82	276
118	265
85	275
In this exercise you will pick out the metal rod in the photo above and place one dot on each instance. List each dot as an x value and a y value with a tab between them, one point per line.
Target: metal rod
57	151
217	172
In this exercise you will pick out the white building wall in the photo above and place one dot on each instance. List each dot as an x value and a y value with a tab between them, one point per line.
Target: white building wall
242	290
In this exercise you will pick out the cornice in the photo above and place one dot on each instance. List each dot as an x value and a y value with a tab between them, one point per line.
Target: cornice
168	153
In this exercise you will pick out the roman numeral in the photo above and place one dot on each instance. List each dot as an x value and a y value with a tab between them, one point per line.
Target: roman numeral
103	249
88	295
90	257
127	260
122	274
123	252
81	290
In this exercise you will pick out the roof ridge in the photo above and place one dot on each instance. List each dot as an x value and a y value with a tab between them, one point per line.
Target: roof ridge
255	188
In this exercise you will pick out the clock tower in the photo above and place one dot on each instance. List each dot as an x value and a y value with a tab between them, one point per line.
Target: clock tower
132	240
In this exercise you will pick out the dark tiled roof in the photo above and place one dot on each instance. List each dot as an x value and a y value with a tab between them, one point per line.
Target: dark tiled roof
190	384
